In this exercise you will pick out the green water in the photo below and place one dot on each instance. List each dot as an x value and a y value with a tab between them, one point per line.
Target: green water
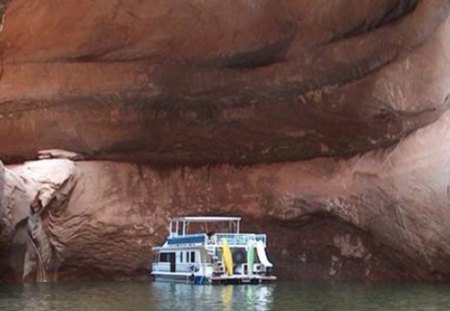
130	296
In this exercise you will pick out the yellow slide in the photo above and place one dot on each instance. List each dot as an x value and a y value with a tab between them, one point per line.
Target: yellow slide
227	257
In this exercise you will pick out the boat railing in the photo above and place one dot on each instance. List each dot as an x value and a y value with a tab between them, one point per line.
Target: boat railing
218	238
238	239
187	239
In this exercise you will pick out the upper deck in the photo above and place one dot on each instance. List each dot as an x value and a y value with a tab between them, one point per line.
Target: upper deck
203	224
208	231
232	239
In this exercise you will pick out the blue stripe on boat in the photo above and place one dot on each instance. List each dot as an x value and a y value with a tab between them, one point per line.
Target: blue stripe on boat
187	240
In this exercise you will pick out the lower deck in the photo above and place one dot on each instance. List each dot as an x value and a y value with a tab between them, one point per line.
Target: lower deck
201	279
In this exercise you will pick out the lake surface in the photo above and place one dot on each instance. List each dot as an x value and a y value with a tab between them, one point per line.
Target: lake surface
131	296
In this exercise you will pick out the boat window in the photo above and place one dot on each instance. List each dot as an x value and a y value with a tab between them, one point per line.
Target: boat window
192	256
181	256
164	257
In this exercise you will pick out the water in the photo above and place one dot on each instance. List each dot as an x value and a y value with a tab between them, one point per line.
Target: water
133	296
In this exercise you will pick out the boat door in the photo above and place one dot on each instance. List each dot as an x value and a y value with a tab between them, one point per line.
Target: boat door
172	260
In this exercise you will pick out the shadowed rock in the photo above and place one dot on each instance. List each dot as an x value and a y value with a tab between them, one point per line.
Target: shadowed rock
214	82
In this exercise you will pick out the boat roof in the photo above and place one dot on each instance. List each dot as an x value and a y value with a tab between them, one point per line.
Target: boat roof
206	219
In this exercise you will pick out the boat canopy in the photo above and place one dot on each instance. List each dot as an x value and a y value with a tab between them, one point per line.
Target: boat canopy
180	225
207	219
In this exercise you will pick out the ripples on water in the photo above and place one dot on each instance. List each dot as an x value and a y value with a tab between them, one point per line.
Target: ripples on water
125	296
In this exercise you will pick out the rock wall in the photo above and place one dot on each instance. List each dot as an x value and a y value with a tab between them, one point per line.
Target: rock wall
213	82
380	216
27	194
323	123
4	235
14	210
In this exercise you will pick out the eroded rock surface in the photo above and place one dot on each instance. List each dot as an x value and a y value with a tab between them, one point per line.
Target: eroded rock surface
4	232
219	82
29	192
383	215
14	211
354	93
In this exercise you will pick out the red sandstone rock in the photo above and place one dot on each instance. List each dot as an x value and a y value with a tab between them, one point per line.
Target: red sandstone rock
4	235
379	216
211	82
219	82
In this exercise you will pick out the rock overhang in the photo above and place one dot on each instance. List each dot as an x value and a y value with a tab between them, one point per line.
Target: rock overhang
133	88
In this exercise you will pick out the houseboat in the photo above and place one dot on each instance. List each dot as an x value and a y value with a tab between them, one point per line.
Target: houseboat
211	250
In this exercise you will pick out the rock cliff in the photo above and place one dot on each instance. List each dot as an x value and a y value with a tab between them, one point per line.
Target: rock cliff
211	82
383	215
323	123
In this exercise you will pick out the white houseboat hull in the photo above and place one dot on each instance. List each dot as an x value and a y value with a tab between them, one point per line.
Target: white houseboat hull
213	258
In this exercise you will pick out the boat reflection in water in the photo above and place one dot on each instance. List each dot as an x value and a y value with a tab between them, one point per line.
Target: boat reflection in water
177	296
172	296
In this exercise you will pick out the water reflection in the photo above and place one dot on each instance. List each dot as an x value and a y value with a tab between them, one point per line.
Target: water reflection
172	296
132	296
259	298
227	297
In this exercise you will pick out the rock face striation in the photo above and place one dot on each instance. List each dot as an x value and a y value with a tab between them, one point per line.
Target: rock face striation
208	82
323	123
29	193
379	216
